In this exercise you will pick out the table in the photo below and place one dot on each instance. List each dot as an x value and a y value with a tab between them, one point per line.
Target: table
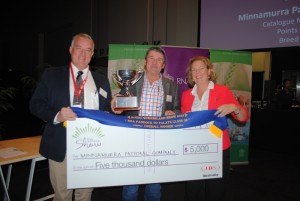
30	145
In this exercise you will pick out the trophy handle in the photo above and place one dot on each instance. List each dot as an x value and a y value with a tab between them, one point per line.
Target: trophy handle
137	77
117	78
131	82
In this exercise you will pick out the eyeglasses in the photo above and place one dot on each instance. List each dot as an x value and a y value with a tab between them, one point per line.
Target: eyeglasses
158	60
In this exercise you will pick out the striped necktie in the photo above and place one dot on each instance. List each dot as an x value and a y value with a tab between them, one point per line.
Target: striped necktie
80	99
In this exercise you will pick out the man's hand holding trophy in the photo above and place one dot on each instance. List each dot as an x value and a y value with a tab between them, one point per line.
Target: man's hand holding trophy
126	78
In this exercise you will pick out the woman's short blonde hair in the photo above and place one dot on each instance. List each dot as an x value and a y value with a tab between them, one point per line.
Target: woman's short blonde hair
212	76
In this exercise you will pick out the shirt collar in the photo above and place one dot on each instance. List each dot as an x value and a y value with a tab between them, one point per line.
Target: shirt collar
159	80
211	85
75	70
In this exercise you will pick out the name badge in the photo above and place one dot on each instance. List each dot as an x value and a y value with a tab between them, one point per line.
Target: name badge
169	98
103	93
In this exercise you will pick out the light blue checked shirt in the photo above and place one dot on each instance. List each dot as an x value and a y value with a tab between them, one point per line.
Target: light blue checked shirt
152	98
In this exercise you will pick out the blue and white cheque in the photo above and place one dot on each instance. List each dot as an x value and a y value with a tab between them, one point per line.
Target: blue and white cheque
109	150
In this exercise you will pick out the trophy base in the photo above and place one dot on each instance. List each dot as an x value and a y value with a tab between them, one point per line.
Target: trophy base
124	103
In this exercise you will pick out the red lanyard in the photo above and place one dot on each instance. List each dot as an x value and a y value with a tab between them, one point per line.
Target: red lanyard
78	92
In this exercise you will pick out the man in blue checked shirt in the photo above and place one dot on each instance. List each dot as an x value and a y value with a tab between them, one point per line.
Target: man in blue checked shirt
157	96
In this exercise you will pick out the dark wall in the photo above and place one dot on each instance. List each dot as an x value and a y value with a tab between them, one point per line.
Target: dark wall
58	20
284	59
274	130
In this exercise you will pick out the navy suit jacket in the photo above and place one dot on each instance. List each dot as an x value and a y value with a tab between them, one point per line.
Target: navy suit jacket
53	93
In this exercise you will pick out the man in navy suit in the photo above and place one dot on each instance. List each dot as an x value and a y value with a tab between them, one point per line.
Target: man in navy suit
51	102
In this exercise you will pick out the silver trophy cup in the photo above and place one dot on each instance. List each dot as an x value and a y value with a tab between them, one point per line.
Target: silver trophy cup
127	78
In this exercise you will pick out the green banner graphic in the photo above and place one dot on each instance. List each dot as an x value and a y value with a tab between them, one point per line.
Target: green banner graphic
234	69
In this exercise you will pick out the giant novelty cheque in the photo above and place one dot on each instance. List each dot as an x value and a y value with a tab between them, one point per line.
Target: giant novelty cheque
110	150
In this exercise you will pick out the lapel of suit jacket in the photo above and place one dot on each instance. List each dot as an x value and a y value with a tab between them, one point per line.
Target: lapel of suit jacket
139	88
97	82
167	89
65	84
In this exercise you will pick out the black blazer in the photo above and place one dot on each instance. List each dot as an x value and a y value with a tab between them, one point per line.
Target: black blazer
53	93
